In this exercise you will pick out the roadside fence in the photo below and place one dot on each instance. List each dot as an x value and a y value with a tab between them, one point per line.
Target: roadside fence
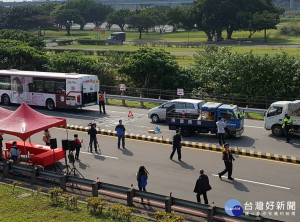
164	95
212	213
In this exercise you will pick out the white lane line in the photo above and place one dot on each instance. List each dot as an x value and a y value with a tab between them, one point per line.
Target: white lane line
112	157
69	114
265	184
258	127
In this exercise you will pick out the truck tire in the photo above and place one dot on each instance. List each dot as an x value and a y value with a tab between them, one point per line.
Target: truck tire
185	131
277	130
5	100
155	118
50	104
227	134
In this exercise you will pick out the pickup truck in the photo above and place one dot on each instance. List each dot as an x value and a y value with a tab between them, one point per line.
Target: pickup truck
275	115
206	122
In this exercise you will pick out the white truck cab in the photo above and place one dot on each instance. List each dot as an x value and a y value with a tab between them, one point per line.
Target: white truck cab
274	116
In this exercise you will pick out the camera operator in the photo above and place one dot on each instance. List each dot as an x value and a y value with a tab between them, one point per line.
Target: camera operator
93	137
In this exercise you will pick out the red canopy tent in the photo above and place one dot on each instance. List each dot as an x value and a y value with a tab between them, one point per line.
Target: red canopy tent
25	122
4	113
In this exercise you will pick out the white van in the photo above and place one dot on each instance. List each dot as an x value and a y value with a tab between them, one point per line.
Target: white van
192	106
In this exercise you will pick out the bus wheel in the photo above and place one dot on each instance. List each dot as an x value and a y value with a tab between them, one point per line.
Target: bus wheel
5	100
50	104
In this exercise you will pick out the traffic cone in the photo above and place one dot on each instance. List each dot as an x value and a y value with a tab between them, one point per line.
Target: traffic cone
130	114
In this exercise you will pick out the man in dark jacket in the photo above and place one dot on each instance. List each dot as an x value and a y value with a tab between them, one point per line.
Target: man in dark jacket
93	137
228	158
202	186
120	133
176	145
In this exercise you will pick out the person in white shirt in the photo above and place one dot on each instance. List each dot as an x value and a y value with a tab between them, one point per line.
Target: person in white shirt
221	131
15	152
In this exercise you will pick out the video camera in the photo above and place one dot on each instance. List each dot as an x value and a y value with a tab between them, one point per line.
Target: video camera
92	124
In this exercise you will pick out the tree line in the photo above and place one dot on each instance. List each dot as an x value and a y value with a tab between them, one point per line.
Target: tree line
218	71
209	16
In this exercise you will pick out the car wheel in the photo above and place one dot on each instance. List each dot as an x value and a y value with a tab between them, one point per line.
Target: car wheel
277	130
5	100
50	104
155	118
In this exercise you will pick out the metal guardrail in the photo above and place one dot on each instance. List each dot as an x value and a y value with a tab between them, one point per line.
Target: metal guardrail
161	101
170	202
246	101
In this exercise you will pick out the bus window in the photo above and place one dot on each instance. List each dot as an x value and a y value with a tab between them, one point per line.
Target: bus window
5	82
38	85
49	86
60	86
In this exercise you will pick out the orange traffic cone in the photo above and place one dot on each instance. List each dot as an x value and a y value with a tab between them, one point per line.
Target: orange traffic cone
130	114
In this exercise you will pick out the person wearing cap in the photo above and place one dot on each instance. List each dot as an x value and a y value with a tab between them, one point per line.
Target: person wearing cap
287	126
228	158
176	145
202	186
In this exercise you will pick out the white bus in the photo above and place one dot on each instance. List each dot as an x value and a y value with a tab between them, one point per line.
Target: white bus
49	89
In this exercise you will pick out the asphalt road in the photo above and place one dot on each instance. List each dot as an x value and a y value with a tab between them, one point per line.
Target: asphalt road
255	179
255	137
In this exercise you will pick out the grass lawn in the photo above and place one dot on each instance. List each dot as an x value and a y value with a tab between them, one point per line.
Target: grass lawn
180	36
41	209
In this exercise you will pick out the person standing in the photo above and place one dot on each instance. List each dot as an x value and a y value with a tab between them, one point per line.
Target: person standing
142	177
101	102
176	145
46	137
77	146
228	158
15	152
202	186
1	145
93	138
221	124
287	126
120	133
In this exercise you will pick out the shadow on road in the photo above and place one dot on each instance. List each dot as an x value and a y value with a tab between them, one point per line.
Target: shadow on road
127	152
82	165
238	185
185	165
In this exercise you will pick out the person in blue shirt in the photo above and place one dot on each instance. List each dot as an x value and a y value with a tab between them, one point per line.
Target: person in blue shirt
120	133
15	152
142	177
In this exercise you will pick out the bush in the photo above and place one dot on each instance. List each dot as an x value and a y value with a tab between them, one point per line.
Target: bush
290	29
96	204
32	40
120	212
55	192
91	42
167	217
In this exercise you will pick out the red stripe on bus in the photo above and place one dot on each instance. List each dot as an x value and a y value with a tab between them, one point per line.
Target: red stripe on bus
74	92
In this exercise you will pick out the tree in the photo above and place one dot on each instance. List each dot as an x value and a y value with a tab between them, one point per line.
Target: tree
174	17
90	11
140	22
233	74
19	55
155	68
119	17
32	40
67	17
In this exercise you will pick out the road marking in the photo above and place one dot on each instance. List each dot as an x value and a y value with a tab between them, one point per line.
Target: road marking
258	127
112	157
265	184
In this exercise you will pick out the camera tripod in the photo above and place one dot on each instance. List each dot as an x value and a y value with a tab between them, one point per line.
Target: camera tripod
97	146
71	171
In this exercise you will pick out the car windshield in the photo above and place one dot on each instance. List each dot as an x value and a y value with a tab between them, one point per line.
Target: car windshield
238	113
